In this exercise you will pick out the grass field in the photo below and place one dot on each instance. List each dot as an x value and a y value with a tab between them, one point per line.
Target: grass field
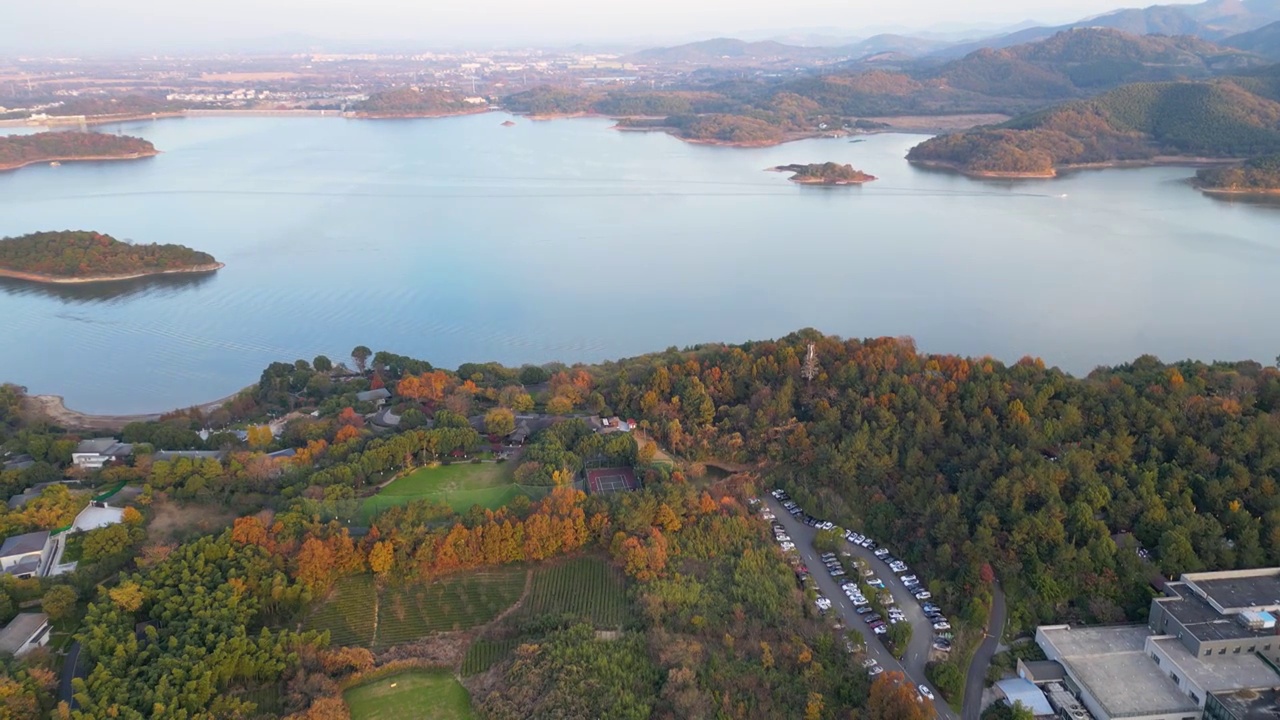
460	485
360	614
417	694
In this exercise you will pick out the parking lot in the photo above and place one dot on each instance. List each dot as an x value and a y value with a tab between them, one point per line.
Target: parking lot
922	638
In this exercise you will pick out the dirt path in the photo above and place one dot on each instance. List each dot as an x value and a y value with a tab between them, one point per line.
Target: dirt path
53	409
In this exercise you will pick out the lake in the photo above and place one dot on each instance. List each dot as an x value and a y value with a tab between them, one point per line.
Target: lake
460	240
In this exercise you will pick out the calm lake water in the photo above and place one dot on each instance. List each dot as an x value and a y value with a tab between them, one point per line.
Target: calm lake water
458	240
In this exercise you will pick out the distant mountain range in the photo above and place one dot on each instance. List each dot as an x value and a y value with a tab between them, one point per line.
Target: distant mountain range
1264	41
1242	24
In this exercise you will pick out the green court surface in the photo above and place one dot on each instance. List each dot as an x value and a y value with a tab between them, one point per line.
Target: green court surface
413	694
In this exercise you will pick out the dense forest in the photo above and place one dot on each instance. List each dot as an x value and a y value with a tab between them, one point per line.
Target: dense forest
828	173
19	150
416	102
79	253
1219	119
1073	64
1257	175
973	471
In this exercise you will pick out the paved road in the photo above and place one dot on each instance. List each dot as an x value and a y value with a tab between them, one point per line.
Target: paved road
69	670
982	658
921	629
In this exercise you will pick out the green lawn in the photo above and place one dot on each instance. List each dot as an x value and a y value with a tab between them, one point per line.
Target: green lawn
460	485
416	694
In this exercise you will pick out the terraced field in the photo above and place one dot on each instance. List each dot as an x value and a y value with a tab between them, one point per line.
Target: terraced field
586	588
360	614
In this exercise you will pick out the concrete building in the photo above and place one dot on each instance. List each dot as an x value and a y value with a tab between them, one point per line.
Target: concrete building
93	454
1244	705
1213	637
1216	614
24	633
26	555
171	455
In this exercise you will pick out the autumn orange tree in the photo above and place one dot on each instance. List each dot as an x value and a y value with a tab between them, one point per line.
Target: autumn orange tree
893	697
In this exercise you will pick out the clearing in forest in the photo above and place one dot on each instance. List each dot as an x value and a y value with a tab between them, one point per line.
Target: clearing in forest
460	486
408	695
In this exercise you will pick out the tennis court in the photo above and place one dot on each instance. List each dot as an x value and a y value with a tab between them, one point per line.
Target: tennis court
611	480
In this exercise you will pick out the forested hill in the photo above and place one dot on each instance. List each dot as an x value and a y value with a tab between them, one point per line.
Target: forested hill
1224	118
1259	175
1073	64
417	102
80	254
973	466
19	150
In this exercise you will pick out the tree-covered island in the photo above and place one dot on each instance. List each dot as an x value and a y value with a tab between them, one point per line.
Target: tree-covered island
828	173
21	150
83	256
1259	176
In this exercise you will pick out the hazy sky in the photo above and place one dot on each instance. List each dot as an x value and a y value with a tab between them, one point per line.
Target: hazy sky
91	25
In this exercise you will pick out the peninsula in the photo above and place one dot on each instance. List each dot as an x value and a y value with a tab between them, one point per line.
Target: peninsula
828	173
83	257
1259	176
18	151
419	103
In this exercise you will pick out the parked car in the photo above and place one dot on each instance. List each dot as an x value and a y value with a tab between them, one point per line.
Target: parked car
930	607
926	692
869	663
767	515
827	525
881	630
924	595
881	553
942	626
788	546
864	610
875	671
910	578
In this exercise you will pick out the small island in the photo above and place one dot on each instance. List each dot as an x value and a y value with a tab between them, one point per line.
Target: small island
18	151
77	256
828	173
1259	176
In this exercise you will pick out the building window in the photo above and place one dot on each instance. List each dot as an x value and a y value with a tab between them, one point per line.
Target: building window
1207	653
1222	651
1267	647
1156	659
1236	651
1253	649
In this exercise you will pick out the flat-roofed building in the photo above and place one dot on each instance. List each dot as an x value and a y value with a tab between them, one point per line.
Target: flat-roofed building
1244	705
1216	614
26	632
25	555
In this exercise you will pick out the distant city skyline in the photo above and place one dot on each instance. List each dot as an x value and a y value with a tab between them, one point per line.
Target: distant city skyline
86	27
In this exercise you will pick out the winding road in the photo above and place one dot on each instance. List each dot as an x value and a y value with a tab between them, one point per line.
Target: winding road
917	654
982	658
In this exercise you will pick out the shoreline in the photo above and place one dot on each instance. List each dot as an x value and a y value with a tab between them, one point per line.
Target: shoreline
55	280
93	158
54	409
1188	161
1253	192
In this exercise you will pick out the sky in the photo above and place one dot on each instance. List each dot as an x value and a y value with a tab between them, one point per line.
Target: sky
89	26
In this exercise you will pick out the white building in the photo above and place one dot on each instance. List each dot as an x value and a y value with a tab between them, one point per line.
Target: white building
24	633
26	555
93	454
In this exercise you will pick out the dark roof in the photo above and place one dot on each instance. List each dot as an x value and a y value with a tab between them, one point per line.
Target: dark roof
190	454
370	395
386	418
20	630
105	446
285	453
1201	619
1042	671
21	462
23	544
1241	592
1251	704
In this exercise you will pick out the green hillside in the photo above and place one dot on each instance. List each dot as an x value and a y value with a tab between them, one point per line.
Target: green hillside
1219	119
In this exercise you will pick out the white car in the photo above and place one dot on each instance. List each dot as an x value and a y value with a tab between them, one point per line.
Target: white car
787	546
783	537
875	670
942	626
924	595
925	692
869	663
882	629
768	515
